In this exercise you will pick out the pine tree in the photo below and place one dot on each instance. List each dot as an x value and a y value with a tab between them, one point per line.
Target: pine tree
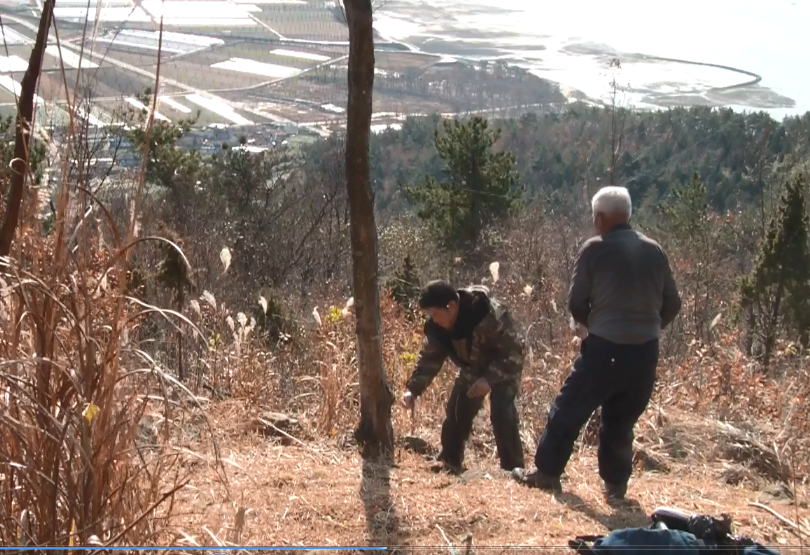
686	213
777	292
480	186
404	286
686	221
174	273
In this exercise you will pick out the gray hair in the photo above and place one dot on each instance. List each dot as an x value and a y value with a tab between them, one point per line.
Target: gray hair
612	201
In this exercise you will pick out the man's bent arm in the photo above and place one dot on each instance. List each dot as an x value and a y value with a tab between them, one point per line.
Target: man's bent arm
672	300
579	296
430	361
501	338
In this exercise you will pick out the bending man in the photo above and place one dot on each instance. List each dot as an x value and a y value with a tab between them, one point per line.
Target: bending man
623	291
479	335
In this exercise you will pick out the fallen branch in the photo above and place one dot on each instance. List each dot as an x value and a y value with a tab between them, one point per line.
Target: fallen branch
146	513
449	545
291	438
792	526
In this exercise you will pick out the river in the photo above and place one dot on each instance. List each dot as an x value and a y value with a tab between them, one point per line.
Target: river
572	41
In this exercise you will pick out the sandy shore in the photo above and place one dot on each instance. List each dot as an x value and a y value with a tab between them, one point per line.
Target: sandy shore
476	32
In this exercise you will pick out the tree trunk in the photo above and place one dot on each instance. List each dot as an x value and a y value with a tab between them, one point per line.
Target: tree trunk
181	301
773	321
24	131
374	432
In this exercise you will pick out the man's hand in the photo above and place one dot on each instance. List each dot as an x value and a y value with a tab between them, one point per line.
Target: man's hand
408	400
478	389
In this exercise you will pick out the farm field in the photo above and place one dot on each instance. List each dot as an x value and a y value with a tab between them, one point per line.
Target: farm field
238	63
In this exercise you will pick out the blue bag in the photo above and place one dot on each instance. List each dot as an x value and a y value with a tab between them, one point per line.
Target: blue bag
641	541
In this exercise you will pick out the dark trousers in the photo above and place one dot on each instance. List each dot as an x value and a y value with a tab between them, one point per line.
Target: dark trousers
620	379
458	422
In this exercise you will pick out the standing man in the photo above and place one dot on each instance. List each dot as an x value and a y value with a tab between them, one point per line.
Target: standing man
479	335
623	291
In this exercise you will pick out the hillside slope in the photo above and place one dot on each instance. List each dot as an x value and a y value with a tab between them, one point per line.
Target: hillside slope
295	492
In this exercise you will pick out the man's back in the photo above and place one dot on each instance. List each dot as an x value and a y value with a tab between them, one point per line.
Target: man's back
623	288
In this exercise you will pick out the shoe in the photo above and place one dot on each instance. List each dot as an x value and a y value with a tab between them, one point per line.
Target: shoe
535	479
615	492
440	464
510	466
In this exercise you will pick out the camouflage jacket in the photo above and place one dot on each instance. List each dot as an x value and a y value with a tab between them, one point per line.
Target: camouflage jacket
484	342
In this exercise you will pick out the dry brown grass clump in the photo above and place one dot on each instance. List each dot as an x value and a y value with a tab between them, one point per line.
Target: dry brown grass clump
94	442
78	464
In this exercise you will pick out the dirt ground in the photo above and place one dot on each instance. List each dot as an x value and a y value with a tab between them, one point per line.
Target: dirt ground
288	492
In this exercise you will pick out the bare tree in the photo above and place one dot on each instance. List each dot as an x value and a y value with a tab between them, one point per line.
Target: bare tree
374	431
24	131
618	115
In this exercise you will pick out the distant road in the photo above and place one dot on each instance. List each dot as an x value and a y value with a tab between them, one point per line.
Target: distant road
282	79
146	73
113	61
211	92
755	78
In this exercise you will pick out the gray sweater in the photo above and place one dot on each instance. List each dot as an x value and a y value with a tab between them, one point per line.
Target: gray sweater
622	289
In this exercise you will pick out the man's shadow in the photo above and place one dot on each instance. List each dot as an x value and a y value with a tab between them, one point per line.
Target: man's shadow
625	514
381	516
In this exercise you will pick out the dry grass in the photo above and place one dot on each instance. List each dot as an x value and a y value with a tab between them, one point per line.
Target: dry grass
100	443
308	486
75	460
318	494
92	442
